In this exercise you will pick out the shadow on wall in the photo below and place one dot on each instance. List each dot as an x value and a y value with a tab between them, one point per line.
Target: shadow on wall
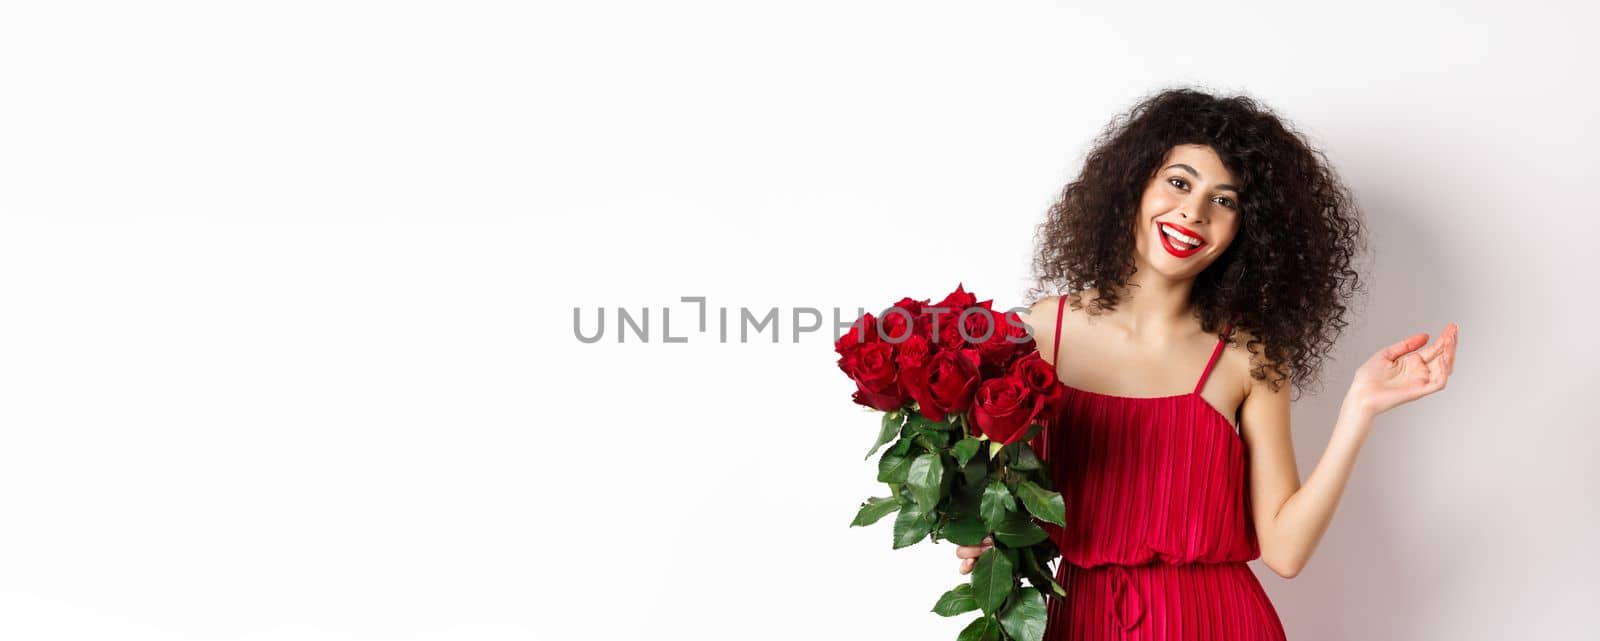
1360	582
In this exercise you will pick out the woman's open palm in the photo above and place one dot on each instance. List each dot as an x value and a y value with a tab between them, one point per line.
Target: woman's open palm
1401	373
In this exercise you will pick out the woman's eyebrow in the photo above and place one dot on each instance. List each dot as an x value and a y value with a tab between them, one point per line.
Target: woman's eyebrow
1196	174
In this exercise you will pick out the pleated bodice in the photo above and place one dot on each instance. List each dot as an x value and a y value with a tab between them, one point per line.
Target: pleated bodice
1149	479
1158	519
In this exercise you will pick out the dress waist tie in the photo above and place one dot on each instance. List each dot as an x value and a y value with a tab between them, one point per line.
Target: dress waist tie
1127	602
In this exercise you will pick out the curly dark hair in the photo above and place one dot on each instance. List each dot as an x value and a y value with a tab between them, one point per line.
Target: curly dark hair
1287	275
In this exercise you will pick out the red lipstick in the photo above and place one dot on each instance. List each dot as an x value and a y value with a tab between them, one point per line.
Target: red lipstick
1176	248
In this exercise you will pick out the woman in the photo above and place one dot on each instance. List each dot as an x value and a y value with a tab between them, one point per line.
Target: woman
1207	249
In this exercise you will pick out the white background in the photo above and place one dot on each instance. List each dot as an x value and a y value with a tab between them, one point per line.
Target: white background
287	295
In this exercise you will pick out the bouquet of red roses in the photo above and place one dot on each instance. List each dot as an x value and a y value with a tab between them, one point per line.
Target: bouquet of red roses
964	394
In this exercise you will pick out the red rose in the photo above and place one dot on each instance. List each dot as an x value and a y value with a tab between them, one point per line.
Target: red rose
949	338
1034	372
1040	378
898	324
957	300
914	354
910	305
862	332
1004	408
919	318
872	367
948	315
1014	332
997	339
946	384
976	322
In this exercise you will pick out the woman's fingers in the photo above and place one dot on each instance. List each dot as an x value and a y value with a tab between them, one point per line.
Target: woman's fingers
1447	341
967	564
1446	361
969	554
1406	345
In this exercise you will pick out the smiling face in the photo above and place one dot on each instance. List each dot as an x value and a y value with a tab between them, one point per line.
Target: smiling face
1192	196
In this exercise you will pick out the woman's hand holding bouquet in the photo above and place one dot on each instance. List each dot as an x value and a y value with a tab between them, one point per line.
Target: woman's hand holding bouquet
965	397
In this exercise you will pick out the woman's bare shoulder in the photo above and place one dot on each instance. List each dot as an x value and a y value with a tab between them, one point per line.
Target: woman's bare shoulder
1041	318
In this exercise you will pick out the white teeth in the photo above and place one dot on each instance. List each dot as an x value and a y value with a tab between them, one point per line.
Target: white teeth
1180	236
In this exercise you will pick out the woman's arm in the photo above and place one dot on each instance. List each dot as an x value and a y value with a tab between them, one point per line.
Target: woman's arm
1291	518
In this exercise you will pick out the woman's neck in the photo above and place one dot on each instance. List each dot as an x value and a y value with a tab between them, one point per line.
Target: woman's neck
1153	309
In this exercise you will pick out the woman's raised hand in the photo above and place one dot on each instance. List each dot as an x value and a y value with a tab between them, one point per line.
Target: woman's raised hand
1401	373
969	554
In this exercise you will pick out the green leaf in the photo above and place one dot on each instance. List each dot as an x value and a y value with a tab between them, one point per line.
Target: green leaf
893	467
931	438
966	530
1020	531
947	478
975	470
891	428
919	421
997	501
966	448
1056	587
1013	556
986	628
910	525
925	479
1038	572
1043	503
1024	619
992	580
956	601
1020	457
965	498
874	509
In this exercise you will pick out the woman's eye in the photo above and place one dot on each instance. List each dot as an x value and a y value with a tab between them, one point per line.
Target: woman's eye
1182	184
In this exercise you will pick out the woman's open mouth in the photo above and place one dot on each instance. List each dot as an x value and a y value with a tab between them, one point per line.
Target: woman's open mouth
1179	242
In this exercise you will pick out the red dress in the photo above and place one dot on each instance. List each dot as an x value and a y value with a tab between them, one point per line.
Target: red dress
1158	525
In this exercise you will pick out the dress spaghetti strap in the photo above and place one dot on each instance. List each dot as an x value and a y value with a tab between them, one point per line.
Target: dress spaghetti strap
1061	311
1215	353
